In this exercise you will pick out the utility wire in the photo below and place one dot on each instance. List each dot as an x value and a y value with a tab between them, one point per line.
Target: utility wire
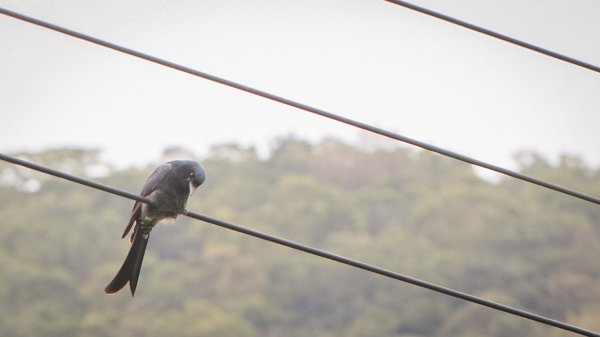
292	244
495	35
305	107
314	251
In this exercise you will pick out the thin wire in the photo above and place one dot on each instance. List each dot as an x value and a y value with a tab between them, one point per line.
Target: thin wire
74	179
305	107
314	251
495	35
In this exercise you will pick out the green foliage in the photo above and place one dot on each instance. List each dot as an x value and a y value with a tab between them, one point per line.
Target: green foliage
412	212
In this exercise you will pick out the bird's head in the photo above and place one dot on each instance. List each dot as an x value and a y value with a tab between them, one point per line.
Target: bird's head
189	171
196	176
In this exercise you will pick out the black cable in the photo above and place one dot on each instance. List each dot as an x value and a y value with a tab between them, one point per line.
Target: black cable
305	107
74	179
314	251
495	35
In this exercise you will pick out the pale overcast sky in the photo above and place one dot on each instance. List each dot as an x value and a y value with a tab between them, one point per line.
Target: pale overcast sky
366	59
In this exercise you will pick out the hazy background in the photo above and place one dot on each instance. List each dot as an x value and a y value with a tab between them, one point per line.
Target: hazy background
407	211
87	110
367	59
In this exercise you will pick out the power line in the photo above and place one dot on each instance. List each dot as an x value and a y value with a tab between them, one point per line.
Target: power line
75	179
317	111
342	119
495	35
314	251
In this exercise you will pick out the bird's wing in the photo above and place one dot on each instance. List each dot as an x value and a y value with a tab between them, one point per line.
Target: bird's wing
151	184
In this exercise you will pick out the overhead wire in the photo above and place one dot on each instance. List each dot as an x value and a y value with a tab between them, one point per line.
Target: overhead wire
305	248
305	107
311	250
496	35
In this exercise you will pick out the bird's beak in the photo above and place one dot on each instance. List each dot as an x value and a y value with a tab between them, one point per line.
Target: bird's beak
197	180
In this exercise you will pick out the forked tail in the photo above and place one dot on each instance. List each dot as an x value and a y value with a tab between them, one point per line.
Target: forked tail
130	270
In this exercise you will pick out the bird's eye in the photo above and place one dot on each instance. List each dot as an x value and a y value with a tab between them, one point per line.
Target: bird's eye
192	174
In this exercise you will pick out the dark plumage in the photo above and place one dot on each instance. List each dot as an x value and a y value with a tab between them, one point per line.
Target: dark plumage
169	187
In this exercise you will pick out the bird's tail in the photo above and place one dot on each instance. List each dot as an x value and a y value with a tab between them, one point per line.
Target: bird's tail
130	270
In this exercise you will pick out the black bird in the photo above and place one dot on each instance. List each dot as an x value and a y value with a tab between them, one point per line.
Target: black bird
169	187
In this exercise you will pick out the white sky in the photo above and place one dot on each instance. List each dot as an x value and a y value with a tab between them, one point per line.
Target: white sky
365	59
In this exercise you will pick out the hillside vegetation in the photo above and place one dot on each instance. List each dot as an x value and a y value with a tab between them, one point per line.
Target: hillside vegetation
415	213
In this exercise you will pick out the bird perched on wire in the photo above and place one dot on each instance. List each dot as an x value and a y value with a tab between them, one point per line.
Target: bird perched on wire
169	187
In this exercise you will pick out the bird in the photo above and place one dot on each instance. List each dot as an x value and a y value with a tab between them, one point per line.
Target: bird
169	188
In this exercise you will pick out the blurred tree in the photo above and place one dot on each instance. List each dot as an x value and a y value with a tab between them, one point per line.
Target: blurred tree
409	211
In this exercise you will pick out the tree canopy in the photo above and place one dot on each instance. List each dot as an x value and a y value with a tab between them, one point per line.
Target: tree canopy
412	212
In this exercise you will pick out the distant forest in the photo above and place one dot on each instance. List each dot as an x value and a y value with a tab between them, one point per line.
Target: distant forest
409	211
